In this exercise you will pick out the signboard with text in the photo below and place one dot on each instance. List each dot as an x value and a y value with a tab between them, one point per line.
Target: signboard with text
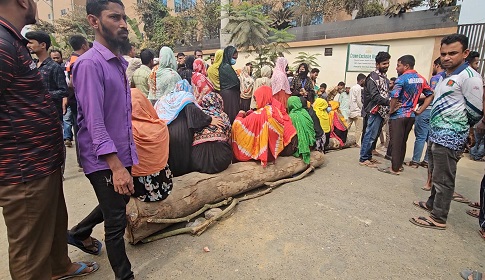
362	57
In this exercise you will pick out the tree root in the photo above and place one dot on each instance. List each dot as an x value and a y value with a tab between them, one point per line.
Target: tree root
199	229
191	216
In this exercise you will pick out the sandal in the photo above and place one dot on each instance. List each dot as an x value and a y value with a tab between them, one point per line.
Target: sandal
474	204
368	163
424	164
465	274
388	171
412	164
421	205
460	198
79	272
429	223
375	161
94	248
474	213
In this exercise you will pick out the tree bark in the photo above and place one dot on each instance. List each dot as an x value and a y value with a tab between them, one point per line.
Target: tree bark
192	191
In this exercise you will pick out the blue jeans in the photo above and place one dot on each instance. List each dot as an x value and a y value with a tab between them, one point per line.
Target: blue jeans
421	131
67	123
478	151
374	122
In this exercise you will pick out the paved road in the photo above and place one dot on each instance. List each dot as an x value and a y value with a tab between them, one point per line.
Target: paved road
342	222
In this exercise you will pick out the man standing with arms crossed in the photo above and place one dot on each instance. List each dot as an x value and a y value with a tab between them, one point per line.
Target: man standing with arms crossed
404	98
31	193
457	107
105	134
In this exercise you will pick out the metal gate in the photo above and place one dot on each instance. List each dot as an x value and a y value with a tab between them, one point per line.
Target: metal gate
476	35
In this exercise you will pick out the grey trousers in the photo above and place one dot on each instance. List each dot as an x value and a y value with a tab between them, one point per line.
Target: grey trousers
442	165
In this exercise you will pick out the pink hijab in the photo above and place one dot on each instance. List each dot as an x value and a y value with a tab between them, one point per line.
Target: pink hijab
279	80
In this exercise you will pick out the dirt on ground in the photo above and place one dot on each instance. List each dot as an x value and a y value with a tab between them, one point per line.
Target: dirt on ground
344	221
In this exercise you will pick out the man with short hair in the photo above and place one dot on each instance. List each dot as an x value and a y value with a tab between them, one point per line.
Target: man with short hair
404	97
473	60
355	115
140	77
334	94
376	107
322	91
199	54
212	56
129	51
105	132
313	77
52	73
180	61
80	45
56	55
31	192
421	126
457	107
477	152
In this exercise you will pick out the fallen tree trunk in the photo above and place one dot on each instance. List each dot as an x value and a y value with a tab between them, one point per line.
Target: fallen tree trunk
335	145
192	191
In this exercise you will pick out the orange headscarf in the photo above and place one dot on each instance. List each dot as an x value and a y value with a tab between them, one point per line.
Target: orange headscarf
150	134
260	133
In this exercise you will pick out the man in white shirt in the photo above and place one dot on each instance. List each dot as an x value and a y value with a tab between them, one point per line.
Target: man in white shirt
356	106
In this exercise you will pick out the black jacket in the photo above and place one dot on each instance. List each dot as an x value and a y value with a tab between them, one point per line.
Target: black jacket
371	94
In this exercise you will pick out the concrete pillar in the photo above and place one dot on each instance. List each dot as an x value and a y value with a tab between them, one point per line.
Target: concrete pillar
224	37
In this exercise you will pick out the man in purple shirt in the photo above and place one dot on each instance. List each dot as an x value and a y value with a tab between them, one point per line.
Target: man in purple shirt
106	145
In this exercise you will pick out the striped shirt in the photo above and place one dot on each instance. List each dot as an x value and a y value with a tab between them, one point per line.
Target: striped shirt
31	145
457	106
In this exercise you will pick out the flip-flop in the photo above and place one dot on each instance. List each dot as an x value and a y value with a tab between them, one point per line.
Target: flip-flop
430	224
421	205
375	161
79	244
387	170
473	213
426	189
465	274
460	198
474	205
412	164
79	271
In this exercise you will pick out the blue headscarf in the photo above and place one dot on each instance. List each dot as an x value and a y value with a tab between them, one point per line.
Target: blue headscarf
168	107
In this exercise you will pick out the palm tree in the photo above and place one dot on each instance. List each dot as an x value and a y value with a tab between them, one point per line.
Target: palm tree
282	18
248	26
310	59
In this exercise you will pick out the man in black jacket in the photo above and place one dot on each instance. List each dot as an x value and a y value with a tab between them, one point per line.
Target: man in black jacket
376	106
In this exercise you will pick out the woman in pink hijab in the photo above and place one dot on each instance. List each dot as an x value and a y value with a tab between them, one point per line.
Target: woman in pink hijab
279	82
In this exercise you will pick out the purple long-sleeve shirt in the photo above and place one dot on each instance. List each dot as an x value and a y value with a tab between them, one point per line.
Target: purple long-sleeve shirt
104	109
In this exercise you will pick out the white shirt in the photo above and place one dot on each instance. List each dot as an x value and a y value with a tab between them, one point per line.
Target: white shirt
356	101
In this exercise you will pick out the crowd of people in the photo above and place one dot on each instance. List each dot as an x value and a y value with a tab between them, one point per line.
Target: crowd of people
140	121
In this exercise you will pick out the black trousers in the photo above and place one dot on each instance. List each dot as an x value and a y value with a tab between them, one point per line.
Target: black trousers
400	133
112	211
75	126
